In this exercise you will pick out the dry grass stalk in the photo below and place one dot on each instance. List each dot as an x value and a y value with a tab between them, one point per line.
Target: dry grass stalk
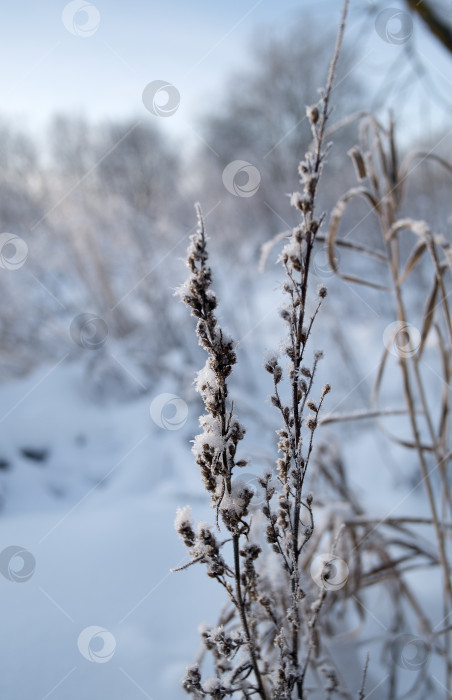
286	599
382	183
267	641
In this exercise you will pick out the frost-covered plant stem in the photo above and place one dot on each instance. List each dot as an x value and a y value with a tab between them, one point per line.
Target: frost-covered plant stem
215	448
298	262
272	622
243	617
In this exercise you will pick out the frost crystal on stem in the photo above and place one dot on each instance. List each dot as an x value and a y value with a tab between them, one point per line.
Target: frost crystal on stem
262	645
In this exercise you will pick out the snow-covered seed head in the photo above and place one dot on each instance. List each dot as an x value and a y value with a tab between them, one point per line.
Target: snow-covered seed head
310	185
271	363
312	112
326	390
234	505
296	199
311	422
184	526
192	679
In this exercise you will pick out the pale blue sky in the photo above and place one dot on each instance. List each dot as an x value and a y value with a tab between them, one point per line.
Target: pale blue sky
193	45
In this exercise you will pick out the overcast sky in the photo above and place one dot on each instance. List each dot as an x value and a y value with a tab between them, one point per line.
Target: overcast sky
57	57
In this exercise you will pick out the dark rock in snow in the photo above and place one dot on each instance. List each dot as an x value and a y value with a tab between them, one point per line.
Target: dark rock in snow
36	454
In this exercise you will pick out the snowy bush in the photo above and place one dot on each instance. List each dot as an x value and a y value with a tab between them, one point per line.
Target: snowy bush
300	569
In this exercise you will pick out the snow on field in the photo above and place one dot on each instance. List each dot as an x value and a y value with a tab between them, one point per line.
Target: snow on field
90	489
97	516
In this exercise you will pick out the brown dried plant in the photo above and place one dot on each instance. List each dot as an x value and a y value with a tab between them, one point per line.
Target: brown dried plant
296	571
405	245
266	641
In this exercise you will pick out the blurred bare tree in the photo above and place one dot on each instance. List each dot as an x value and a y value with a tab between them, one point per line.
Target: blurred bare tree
259	120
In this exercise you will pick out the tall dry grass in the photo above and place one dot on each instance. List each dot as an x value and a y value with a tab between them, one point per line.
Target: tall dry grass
301	569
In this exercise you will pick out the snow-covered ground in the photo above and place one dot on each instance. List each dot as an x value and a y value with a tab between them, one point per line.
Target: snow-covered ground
96	515
89	492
